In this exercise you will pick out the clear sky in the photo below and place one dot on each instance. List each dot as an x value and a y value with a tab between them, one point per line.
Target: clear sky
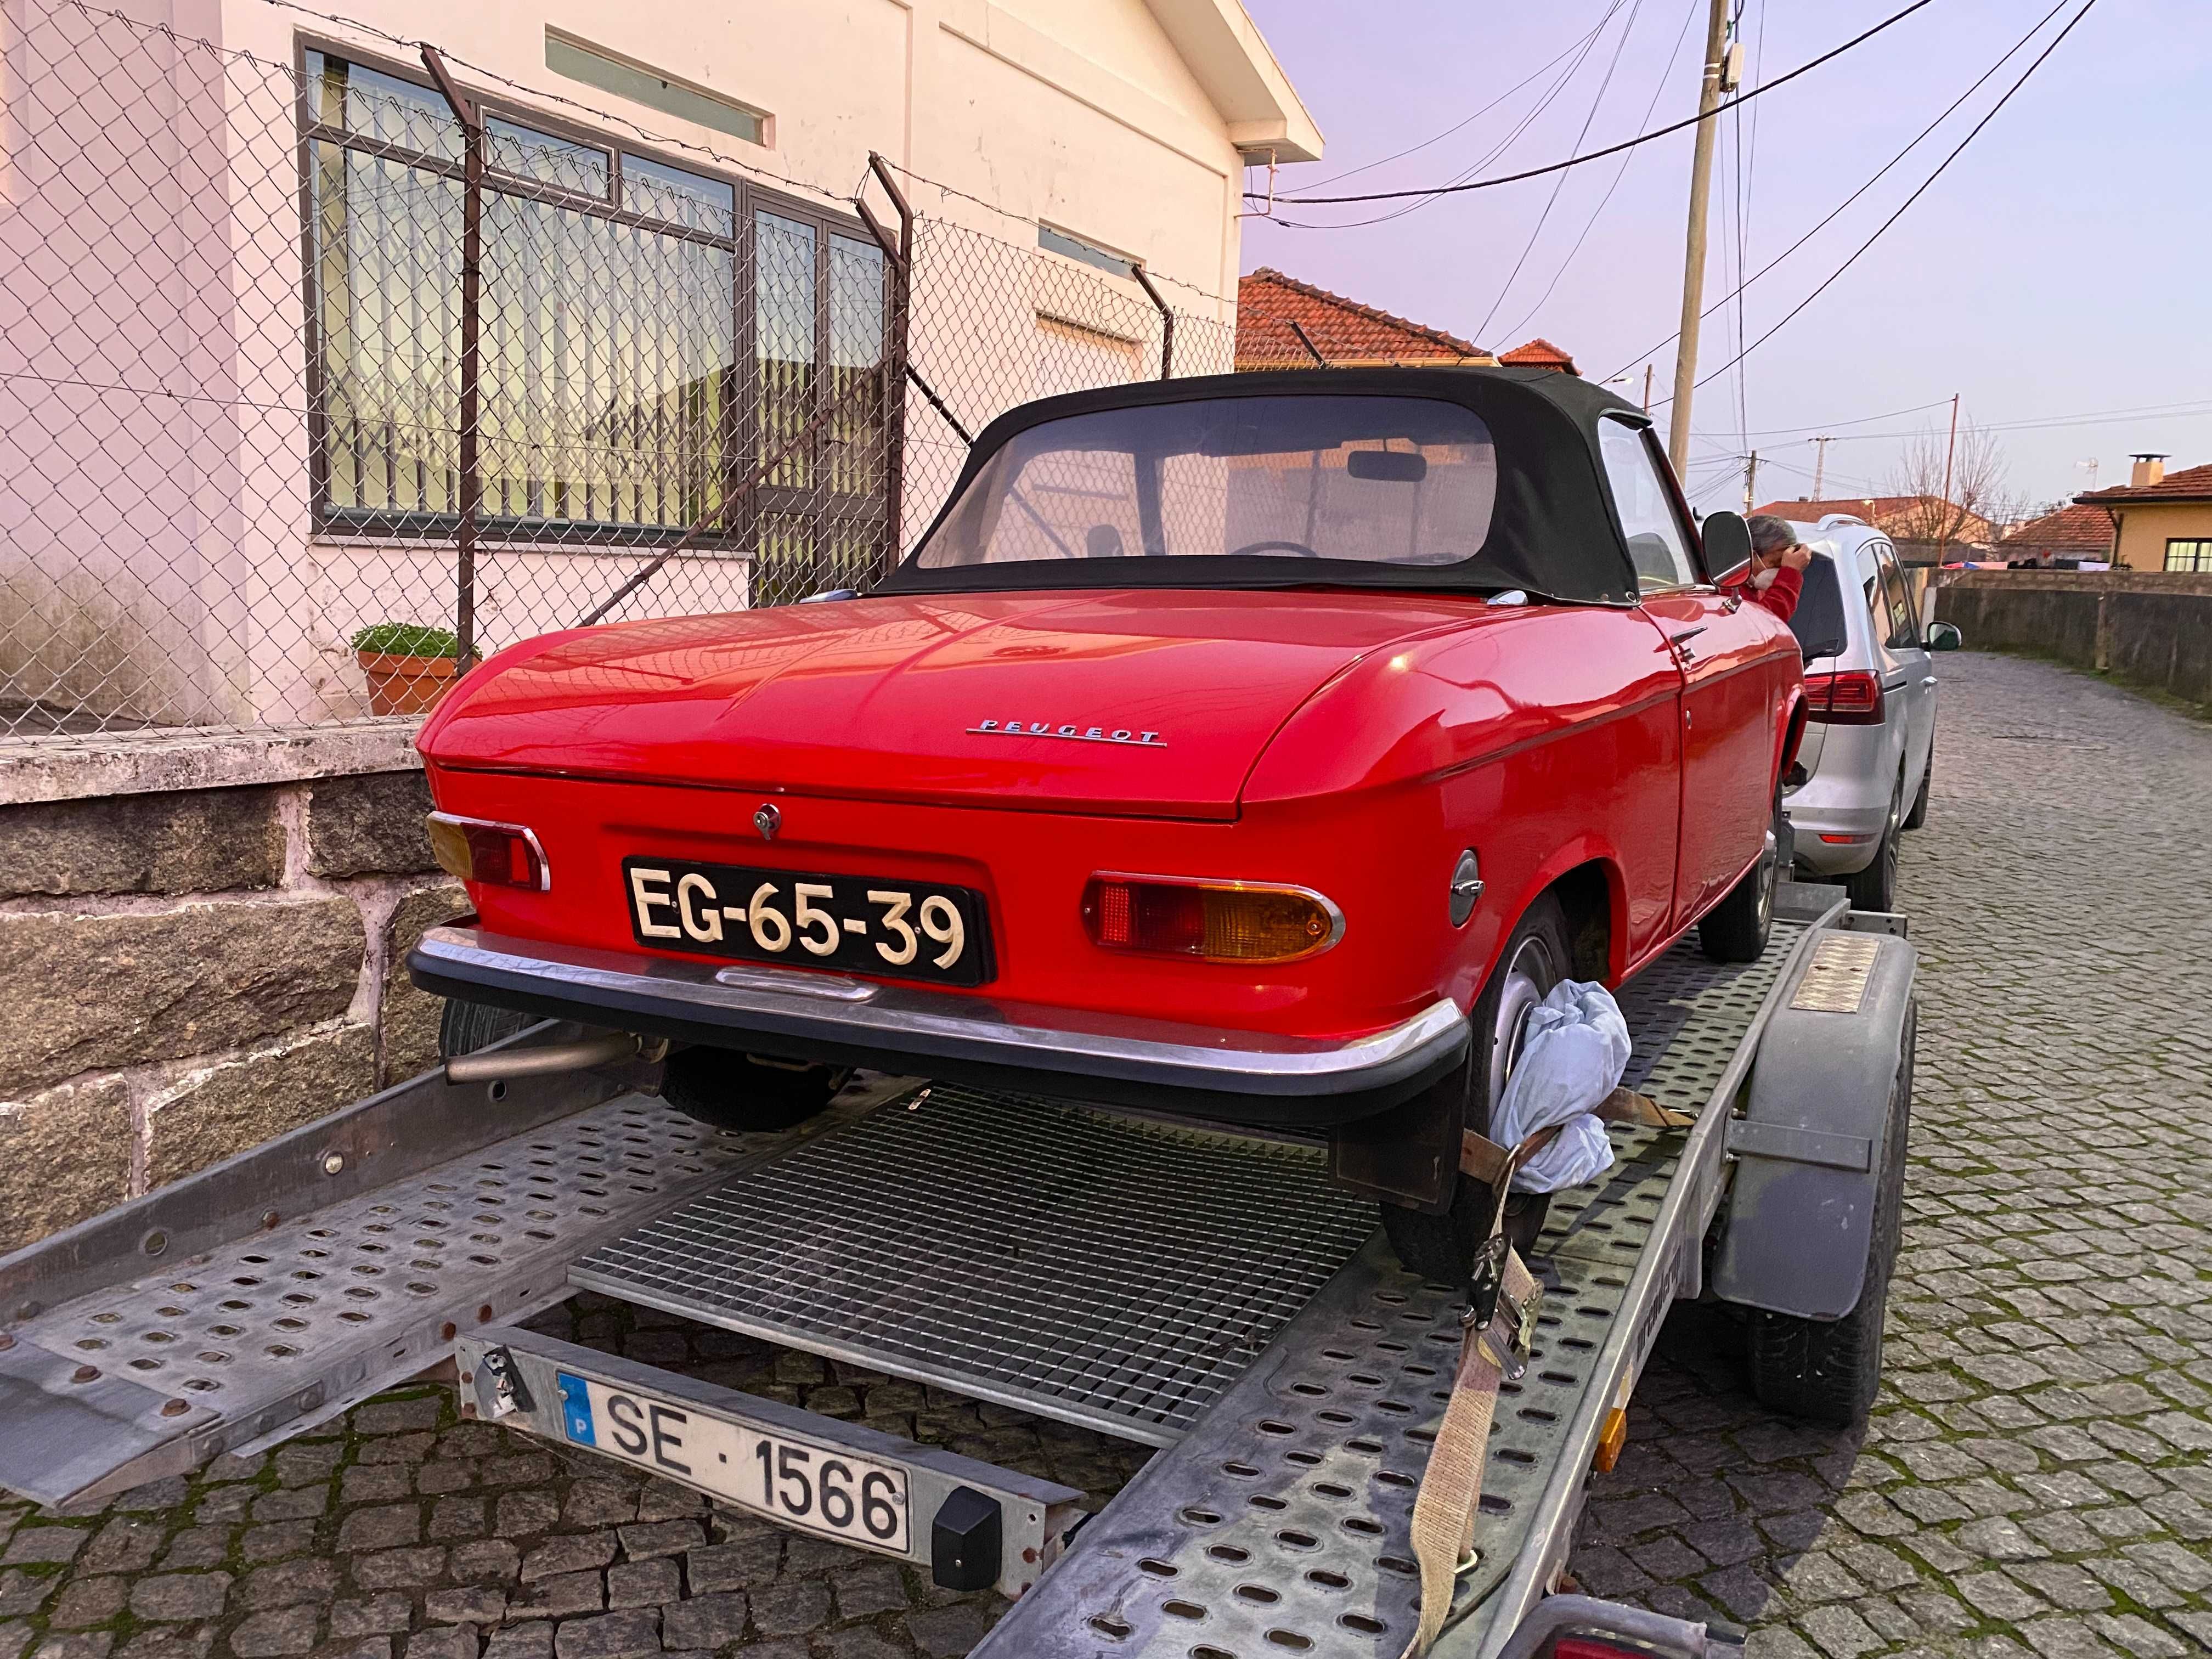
2063	266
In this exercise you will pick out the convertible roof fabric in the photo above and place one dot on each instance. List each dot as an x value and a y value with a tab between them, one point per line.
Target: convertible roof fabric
1554	530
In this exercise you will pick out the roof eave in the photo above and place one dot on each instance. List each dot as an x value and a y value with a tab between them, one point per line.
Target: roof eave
1222	48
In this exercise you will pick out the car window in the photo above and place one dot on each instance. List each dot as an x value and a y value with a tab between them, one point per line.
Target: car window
1897	593
1656	539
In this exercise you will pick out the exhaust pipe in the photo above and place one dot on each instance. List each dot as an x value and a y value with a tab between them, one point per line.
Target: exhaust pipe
504	1065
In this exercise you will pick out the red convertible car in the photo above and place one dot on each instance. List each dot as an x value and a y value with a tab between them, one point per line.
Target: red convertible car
1256	749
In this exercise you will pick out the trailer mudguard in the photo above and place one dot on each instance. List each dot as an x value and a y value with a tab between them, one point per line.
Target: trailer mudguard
1809	1148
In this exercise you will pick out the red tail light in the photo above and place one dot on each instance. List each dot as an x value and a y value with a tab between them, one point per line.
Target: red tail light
477	849
1213	920
1850	698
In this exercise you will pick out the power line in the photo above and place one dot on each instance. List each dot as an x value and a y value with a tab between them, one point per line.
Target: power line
1610	150
1836	212
1559	181
1689	16
1974	132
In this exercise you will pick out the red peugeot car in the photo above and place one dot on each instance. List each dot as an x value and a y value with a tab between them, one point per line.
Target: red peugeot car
1256	748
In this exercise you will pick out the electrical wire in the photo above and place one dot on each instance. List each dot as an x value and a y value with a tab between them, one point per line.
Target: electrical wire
1972	133
1611	150
1836	212
1666	74
1559	181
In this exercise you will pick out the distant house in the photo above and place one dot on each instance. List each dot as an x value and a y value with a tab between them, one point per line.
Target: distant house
1921	520
2077	532
1272	309
2160	520
1538	352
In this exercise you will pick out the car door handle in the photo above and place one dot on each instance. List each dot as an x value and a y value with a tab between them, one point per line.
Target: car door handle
1931	680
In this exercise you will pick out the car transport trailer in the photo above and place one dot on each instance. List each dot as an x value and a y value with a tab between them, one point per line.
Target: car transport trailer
1209	1294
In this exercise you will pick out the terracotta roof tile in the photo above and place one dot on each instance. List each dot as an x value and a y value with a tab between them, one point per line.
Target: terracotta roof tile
1343	331
2076	531
1539	352
2191	483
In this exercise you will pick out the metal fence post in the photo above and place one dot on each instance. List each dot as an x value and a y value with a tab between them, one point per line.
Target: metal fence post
1167	320
471	481
899	254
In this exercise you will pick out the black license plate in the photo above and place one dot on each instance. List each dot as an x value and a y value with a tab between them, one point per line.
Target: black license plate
861	924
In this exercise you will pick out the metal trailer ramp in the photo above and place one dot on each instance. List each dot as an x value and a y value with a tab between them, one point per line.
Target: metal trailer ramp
1212	1294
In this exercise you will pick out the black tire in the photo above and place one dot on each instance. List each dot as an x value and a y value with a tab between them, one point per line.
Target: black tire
1874	888
1736	929
1828	1371
1441	1247
746	1092
465	1027
1918	816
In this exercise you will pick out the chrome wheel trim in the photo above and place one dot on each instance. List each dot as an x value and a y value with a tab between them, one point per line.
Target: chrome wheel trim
1770	880
1525	980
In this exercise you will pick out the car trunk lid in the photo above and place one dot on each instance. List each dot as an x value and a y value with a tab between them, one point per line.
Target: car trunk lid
1154	703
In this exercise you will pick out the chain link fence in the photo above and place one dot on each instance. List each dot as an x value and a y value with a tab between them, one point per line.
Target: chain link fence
319	381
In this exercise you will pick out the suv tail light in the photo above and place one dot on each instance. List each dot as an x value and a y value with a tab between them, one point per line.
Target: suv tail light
477	849
1212	920
1849	698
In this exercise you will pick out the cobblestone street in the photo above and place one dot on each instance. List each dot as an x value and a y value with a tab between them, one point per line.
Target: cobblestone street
2036	1480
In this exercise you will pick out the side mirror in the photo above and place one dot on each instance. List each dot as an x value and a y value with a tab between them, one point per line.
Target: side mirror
1727	541
1945	636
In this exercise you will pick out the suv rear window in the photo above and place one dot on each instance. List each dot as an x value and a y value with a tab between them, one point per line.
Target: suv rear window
1385	481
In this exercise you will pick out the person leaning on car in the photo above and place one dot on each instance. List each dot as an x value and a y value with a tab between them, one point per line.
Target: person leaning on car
1775	576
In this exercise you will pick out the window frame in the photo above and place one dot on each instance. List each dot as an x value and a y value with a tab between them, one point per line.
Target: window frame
740	534
2200	559
1692	544
1890	574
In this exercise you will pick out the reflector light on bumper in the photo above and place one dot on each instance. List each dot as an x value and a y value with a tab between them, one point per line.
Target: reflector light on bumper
477	849
1212	921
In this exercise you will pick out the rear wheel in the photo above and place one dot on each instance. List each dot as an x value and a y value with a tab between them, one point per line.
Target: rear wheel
1736	929
1829	1370
1442	1247
465	1027
732	1090
1874	888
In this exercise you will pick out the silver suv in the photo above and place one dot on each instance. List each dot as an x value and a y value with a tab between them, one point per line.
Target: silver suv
1863	771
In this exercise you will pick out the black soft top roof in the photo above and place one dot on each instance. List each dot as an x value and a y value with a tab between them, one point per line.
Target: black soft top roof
1554	530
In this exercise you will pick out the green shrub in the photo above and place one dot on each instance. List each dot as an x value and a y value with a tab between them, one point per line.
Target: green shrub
406	639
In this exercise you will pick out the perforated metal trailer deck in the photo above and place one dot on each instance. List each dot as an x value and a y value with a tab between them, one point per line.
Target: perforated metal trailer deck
1209	1294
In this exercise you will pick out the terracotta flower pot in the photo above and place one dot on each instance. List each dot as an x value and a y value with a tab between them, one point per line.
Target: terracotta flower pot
405	685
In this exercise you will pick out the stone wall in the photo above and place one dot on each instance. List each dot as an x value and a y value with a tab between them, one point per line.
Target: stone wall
2151	629
184	972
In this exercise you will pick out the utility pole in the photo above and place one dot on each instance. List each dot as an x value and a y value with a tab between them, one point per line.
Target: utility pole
1693	262
1750	483
1820	462
1943	534
1647	388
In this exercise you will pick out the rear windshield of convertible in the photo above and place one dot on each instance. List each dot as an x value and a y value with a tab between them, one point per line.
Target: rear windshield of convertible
1376	480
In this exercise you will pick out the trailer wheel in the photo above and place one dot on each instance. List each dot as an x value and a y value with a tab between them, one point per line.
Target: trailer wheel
1441	1247
1828	1370
732	1090
465	1027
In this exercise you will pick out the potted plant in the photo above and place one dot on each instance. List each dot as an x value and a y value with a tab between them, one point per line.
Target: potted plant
410	666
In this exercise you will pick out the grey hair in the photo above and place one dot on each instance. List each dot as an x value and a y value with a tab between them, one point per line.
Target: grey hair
1769	534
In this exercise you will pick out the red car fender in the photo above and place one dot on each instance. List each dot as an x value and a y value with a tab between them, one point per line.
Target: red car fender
1796	710
482	681
1505	909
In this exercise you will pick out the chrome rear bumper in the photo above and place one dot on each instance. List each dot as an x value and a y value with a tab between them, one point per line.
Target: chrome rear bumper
1244	1077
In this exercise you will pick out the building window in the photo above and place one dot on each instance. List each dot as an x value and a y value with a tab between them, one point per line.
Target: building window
595	66
649	333
2182	555
1074	247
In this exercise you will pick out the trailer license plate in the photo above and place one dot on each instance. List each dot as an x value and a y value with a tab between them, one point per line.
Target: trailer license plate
815	1488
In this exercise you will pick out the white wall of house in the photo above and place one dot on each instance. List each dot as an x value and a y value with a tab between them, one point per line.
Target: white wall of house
157	560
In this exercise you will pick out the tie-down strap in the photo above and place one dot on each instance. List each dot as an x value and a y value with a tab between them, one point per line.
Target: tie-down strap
1491	1164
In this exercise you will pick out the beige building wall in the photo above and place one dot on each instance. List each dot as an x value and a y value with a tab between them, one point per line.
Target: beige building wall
2146	526
1118	121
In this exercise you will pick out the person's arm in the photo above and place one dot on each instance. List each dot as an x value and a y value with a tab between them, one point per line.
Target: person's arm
1780	595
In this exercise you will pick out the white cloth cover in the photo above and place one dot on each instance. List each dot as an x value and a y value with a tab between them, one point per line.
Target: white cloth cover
1572	1055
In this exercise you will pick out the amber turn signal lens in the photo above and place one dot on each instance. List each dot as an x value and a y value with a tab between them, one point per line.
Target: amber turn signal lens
477	849
1212	920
